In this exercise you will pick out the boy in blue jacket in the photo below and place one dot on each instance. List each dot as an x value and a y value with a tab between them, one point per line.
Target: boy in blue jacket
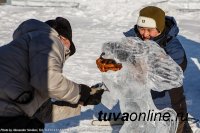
152	24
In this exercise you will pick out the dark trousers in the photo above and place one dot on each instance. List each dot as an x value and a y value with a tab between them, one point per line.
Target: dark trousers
179	105
20	124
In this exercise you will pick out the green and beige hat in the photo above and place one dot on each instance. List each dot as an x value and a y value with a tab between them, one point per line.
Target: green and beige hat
152	17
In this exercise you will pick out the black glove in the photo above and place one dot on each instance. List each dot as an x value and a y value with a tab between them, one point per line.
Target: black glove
84	92
90	96
94	98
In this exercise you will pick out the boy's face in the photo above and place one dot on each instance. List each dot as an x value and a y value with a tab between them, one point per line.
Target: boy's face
148	33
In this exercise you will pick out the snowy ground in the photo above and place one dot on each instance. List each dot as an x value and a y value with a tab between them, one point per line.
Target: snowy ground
92	26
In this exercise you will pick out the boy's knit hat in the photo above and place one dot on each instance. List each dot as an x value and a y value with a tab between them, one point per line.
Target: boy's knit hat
152	17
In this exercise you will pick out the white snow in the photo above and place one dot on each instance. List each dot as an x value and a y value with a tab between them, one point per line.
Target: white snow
196	62
100	21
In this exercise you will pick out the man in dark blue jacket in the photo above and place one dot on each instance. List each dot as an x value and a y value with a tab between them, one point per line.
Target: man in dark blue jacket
31	74
152	24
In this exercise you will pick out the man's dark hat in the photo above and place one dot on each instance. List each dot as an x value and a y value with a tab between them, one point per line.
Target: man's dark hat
63	27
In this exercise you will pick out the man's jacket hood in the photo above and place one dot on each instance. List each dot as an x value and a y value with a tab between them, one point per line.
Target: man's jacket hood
172	26
31	25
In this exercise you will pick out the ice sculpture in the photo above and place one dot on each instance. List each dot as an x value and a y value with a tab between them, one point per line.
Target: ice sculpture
145	66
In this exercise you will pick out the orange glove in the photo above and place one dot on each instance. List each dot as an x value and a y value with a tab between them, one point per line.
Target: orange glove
107	64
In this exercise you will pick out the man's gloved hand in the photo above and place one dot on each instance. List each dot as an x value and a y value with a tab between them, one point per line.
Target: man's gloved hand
95	97
84	92
90	96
